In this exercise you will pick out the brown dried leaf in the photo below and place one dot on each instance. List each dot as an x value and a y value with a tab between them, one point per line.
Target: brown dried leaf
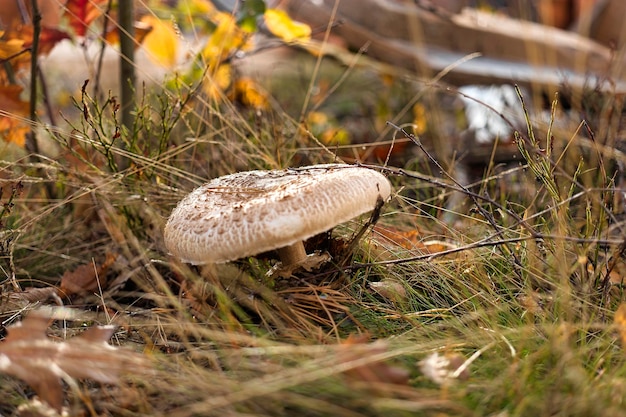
413	240
86	278
33	295
28	354
19	300
391	290
375	372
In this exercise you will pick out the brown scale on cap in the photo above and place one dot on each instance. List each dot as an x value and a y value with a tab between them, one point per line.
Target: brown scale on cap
247	213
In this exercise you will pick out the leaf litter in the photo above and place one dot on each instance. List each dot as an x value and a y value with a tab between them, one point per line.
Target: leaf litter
29	354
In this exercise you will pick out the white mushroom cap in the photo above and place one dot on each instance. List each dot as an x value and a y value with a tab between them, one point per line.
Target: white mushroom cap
247	213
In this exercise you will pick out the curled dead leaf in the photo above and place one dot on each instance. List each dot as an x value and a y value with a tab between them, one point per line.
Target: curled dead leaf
358	347
391	290
28	354
85	279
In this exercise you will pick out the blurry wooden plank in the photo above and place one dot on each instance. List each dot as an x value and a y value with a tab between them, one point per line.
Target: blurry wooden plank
605	23
426	41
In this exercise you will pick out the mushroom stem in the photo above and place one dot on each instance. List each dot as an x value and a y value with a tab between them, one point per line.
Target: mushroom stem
293	254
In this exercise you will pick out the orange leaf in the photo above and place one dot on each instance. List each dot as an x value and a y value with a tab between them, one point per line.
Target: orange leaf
13	131
620	322
410	239
10	47
248	92
10	101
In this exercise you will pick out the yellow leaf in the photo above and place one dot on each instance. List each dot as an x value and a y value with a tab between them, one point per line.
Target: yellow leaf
161	42
336	136
282	26
226	39
10	48
216	82
250	94
317	118
419	119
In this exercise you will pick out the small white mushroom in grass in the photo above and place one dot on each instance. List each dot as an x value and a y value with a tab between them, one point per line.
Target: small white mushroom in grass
252	212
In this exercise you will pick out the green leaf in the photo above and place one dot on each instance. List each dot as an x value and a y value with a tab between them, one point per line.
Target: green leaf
249	14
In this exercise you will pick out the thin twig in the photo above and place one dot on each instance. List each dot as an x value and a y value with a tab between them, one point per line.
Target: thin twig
31	139
487	215
127	71
103	45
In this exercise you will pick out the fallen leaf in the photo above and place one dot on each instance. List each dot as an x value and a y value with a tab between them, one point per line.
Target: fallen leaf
86	279
33	295
391	290
282	26
28	354
357	347
412	240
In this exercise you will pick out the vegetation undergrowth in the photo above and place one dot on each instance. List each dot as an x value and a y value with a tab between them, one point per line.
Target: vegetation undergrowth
504	307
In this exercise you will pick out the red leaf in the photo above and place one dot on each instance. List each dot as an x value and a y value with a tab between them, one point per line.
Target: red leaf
81	13
48	38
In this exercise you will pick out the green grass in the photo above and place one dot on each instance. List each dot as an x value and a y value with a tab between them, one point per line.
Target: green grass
518	292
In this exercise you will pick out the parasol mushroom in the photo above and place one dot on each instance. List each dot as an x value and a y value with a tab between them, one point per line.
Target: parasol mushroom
248	213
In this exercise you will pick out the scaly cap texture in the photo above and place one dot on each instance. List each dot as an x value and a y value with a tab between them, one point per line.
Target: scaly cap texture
251	212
